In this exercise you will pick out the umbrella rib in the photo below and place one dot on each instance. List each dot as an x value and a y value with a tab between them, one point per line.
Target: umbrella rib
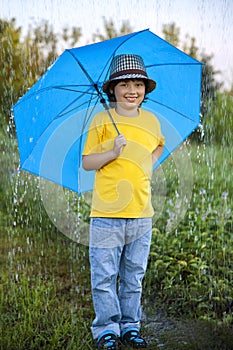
73	90
72	93
95	85
174	110
59	115
58	87
65	111
114	52
81	66
174	64
62	113
88	118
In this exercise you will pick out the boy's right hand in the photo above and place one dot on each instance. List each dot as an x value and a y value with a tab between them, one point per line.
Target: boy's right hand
119	143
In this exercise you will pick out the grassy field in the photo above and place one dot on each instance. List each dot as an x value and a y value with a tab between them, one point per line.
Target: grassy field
45	299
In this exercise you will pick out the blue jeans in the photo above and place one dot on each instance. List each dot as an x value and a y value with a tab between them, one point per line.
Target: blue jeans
125	257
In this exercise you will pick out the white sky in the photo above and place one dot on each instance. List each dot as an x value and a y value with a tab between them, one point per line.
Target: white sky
209	21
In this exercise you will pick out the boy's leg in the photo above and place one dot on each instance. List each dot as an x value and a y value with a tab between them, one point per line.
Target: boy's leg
104	263
132	270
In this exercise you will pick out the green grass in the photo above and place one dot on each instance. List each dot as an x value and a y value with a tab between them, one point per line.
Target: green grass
190	266
45	293
45	298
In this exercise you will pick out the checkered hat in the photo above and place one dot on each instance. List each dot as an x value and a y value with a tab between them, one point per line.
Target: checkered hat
128	66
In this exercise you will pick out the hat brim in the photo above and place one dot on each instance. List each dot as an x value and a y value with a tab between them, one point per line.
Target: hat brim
151	84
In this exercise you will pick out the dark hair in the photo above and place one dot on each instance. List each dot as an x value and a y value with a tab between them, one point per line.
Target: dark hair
113	83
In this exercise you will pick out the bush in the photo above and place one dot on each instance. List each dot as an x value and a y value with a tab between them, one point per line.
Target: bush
218	123
45	297
190	268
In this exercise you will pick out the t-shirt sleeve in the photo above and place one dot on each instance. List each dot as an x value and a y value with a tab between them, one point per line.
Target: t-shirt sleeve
160	137
93	141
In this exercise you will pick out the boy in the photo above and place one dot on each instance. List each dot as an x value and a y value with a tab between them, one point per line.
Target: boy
121	214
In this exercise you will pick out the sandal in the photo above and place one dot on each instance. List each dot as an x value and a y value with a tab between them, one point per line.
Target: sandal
108	340
131	337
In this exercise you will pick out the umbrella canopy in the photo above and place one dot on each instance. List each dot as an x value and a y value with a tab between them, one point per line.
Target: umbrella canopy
53	117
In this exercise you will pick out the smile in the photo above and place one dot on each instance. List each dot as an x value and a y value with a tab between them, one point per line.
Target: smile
131	99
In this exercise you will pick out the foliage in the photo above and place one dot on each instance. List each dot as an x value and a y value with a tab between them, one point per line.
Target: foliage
24	59
111	31
210	86
171	34
12	68
218	122
189	268
45	299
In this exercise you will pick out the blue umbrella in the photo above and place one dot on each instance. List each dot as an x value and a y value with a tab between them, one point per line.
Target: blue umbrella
53	117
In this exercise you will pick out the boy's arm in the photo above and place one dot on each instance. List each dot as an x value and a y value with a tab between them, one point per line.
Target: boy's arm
96	161
157	153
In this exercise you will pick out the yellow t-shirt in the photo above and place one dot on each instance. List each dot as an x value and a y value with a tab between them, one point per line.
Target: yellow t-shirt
122	187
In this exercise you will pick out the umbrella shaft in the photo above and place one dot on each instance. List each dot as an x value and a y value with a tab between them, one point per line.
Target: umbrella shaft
102	100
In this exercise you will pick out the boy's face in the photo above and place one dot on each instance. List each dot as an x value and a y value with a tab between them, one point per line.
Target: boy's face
130	93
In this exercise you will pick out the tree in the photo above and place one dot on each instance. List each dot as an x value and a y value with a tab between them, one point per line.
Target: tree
171	34
210	86
11	66
42	45
24	59
110	30
219	120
